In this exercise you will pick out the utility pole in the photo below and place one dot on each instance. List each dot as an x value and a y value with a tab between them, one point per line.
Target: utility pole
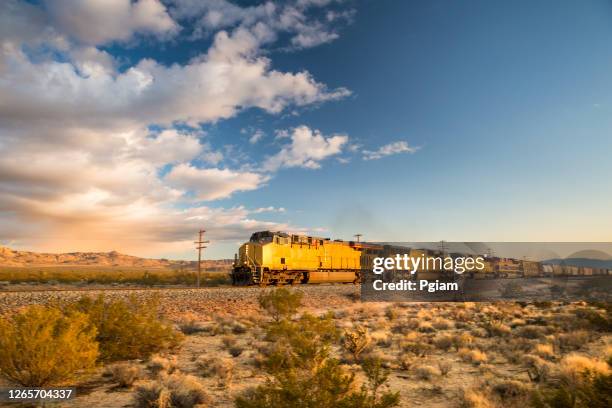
201	244
358	236
442	248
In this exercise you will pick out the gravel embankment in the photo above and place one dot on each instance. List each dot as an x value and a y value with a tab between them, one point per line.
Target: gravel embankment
206	302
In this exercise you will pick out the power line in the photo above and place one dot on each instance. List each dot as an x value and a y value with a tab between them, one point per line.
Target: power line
201	244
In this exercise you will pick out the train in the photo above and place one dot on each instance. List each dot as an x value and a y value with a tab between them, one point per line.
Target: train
279	258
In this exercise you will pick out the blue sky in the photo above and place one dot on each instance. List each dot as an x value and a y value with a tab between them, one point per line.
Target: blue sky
496	118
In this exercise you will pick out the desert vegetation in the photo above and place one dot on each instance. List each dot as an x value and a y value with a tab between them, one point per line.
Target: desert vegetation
84	275
311	347
50	345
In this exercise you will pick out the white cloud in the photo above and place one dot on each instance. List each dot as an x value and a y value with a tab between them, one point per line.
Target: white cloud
79	167
215	86
270	209
307	149
167	147
269	19
256	136
312	38
388	150
281	133
102	21
212	183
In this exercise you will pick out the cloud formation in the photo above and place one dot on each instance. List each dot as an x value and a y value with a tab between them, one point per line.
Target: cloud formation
212	184
211	87
101	21
291	18
99	153
307	149
388	150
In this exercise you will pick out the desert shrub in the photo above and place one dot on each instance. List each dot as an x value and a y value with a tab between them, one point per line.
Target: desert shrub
391	313
229	341
370	395
601	321
496	328
222	325
544	350
444	367
405	326
42	346
475	399
530	332
281	303
158	364
475	357
510	389
418	348
426	327
221	368
356	341
406	362
575	368
128	329
174	391
538	369
425	372
239	328
188	324
384	342
110	275
462	340
573	340
125	374
442	324
443	342
589	385
235	351
303	374
517	322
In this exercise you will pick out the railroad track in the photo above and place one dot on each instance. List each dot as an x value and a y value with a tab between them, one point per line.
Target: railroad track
150	288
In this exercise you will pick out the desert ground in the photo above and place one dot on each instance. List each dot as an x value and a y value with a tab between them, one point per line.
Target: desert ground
437	354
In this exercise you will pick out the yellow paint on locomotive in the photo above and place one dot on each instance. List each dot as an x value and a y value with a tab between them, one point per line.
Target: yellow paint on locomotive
300	256
295	258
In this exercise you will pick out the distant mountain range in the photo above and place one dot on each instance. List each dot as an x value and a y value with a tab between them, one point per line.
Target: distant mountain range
12	258
584	262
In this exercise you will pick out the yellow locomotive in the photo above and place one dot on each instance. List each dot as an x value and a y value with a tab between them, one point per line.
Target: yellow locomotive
278	258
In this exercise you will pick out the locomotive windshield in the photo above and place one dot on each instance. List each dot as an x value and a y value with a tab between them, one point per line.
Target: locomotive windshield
263	236
266	236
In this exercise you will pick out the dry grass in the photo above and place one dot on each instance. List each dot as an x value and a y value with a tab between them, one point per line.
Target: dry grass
475	357
125	374
356	341
220	368
574	368
544	350
426	372
174	391
84	275
159	364
475	399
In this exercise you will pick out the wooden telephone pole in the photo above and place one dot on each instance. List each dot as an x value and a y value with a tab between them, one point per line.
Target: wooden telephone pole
358	236
201	244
